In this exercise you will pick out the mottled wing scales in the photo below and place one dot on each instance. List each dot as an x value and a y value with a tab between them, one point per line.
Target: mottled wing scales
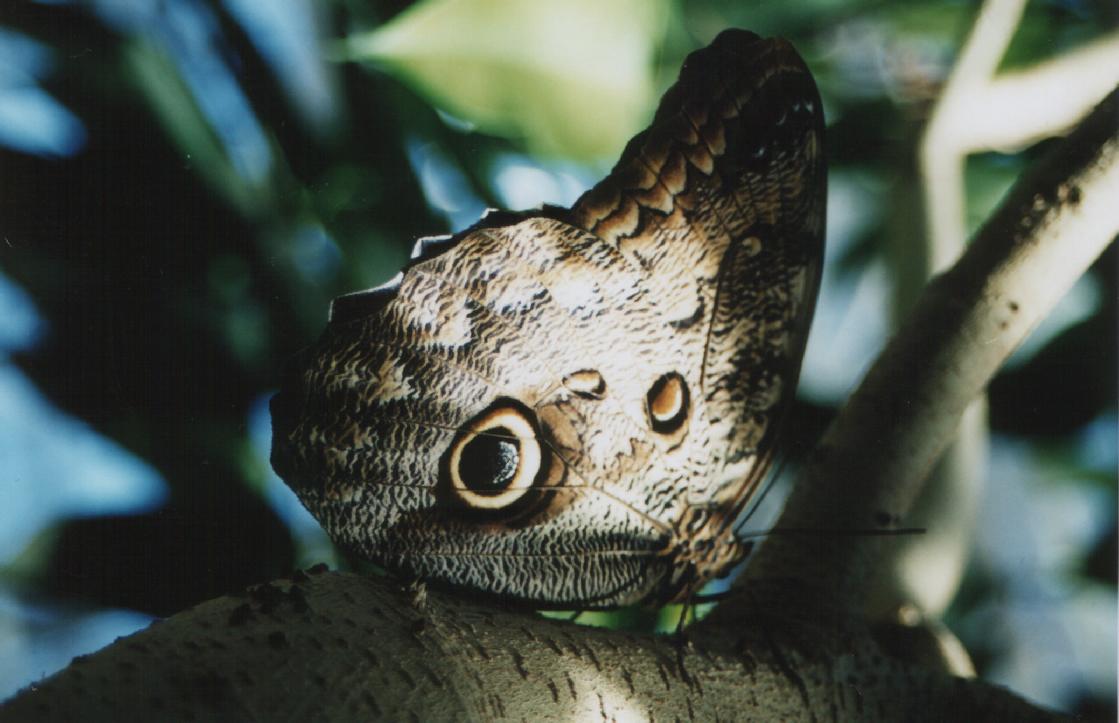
730	181
696	260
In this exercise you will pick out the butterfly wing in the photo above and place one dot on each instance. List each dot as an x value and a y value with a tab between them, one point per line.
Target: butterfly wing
730	180
539	405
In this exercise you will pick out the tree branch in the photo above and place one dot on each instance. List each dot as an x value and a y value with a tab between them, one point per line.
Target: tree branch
873	460
977	111
1020	108
342	647
926	571
944	144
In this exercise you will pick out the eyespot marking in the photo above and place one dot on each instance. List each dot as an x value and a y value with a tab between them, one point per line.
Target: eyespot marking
488	462
495	459
668	403
586	383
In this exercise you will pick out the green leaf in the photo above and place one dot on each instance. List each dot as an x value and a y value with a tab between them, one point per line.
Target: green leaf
570	78
171	101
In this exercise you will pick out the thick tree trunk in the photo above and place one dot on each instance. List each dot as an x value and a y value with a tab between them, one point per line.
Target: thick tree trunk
335	646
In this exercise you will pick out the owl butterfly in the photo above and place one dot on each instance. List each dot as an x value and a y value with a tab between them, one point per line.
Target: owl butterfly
571	407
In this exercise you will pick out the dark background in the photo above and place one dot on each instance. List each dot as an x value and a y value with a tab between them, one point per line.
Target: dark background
184	184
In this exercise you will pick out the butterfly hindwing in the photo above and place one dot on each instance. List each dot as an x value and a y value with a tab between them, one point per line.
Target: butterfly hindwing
567	407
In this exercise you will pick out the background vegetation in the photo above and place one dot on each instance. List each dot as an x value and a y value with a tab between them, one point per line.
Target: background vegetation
184	184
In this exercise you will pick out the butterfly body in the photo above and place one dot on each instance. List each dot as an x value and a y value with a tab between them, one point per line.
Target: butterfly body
571	407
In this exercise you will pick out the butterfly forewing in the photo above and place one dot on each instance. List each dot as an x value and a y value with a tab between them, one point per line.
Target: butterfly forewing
569	407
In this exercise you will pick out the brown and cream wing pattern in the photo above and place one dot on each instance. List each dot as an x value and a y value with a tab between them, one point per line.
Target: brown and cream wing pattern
568	407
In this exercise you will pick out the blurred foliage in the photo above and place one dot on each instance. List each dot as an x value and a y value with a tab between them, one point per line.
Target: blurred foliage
237	167
564	82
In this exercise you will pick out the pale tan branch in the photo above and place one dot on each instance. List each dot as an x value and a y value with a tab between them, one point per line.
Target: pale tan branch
977	111
943	148
986	44
1020	108
926	571
341	647
874	458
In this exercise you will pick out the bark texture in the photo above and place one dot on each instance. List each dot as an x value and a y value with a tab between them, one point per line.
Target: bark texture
336	646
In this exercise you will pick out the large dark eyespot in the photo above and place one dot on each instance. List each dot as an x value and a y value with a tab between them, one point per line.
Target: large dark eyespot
668	403
488	463
495	459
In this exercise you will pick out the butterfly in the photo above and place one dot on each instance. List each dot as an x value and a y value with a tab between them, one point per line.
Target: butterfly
572	407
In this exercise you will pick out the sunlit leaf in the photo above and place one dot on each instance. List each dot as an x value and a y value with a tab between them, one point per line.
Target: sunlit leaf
567	77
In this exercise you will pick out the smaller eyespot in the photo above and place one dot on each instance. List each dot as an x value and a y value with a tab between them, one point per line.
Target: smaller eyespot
587	383
668	403
495	459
